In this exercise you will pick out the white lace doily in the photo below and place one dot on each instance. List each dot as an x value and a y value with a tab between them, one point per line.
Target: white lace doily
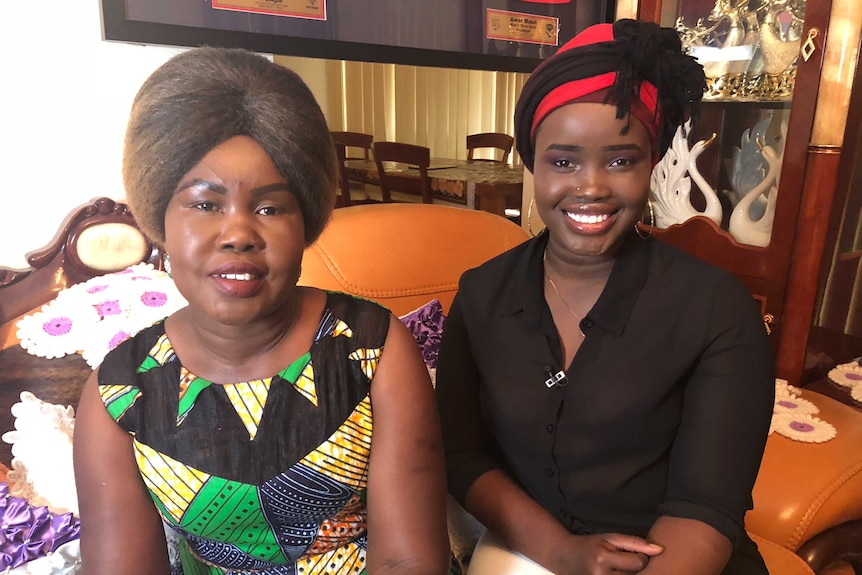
41	470
793	417
850	376
93	317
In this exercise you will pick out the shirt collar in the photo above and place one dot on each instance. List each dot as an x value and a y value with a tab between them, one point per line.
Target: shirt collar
524	292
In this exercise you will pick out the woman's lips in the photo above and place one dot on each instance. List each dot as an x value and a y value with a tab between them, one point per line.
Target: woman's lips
590	222
238	284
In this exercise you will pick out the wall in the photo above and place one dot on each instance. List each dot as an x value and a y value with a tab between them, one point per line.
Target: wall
63	108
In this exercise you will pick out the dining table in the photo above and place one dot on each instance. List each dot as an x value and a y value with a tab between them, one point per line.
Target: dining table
454	180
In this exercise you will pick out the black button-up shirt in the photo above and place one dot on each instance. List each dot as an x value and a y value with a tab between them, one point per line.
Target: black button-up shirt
664	410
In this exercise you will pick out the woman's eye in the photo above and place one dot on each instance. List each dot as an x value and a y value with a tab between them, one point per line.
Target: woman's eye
622	162
563	163
268	211
204	206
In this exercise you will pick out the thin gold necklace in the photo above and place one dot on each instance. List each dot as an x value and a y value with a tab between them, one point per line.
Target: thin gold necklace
556	291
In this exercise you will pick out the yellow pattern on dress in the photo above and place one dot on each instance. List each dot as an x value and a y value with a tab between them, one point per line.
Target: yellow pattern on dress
305	384
248	399
344	455
342	328
174	483
368	359
350	559
162	351
186	379
111	392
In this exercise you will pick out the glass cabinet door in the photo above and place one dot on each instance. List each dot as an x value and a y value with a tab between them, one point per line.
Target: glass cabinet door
730	168
730	191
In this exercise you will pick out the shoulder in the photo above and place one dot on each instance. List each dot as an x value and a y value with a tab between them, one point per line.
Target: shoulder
365	318
689	283
672	265
127	356
347	305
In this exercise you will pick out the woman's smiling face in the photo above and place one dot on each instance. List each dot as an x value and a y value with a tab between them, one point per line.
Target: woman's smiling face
591	181
235	234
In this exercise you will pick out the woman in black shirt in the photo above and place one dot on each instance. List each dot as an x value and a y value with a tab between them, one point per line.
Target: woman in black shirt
606	398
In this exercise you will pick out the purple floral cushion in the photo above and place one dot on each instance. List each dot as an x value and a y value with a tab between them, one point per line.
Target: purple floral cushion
426	325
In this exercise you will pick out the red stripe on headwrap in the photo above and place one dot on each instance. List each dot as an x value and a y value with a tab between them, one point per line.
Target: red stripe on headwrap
571	92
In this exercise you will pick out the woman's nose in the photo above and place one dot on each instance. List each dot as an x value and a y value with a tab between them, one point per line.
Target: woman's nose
591	184
239	232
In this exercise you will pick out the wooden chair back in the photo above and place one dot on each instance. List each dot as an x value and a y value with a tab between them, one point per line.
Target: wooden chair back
354	140
98	238
500	141
418	157
343	197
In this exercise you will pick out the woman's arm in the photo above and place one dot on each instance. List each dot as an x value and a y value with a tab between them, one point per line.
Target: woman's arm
406	478
727	407
525	526
121	531
691	546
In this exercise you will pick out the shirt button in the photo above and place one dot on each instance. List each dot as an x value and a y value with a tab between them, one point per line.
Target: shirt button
550	472
550	428
586	323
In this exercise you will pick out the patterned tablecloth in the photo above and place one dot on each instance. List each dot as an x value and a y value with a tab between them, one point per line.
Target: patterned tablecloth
451	180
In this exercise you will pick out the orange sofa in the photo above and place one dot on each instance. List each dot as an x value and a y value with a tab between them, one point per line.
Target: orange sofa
808	497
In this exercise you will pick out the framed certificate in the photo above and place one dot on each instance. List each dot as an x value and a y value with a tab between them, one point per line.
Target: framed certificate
506	35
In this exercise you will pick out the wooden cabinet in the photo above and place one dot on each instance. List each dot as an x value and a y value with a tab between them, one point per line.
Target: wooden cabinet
783	274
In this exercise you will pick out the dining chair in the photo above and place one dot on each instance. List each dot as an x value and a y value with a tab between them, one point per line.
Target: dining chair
498	140
412	181
351	143
354	140
343	198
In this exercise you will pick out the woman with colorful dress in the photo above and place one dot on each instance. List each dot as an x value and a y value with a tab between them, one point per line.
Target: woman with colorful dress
274	429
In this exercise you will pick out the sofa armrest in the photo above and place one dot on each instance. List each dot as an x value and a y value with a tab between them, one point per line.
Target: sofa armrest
805	489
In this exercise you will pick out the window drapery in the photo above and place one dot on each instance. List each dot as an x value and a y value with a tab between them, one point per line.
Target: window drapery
432	107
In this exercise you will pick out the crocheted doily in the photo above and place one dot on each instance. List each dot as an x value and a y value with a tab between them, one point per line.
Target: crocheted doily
793	417
850	376
93	317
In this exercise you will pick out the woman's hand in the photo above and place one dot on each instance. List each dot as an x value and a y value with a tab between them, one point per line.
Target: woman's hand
523	525
607	553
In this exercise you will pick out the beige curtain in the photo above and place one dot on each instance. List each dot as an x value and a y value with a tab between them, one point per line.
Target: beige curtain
433	107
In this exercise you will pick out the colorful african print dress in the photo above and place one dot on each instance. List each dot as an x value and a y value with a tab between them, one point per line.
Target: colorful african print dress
265	476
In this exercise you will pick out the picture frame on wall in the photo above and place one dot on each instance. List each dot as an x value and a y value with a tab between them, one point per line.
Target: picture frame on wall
504	35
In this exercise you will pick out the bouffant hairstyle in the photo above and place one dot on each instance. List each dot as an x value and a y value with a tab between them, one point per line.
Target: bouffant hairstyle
638	66
205	96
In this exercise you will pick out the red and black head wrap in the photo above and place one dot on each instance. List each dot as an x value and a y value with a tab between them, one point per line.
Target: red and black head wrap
638	66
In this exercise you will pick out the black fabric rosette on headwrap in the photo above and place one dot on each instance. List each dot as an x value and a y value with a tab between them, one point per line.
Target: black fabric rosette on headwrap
637	66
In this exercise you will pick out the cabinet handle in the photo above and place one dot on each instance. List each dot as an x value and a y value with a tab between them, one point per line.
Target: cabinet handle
809	47
768	318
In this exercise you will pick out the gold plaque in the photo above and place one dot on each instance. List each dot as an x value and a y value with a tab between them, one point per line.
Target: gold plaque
520	27
313	9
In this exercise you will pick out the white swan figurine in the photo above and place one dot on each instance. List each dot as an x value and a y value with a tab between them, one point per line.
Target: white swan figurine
742	227
670	187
